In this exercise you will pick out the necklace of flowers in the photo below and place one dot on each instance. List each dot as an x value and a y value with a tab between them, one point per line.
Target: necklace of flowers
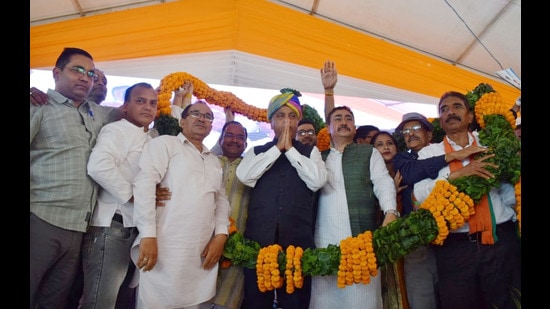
447	207
201	90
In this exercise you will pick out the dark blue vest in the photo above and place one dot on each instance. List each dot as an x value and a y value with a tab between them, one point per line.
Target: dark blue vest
282	208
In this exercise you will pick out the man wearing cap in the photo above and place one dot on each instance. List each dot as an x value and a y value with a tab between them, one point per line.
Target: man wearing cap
284	175
419	267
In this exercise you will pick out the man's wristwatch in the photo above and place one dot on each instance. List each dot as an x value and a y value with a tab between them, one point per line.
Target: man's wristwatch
392	211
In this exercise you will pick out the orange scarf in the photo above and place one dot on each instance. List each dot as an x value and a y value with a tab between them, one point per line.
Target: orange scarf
484	219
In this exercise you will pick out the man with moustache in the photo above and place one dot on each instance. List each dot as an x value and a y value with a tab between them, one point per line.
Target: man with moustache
479	264
357	181
419	265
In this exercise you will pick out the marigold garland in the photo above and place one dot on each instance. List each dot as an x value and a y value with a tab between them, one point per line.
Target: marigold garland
267	268
201	90
357	258
293	271
323	139
225	262
357	261
491	103
449	207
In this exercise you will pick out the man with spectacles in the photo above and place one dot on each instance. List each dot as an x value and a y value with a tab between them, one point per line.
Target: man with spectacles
419	265
179	246
62	196
98	93
306	132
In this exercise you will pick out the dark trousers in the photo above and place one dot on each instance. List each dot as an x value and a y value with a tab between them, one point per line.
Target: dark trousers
54	260
256	299
476	276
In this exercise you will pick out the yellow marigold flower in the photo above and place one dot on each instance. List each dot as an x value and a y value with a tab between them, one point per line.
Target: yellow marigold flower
201	90
323	139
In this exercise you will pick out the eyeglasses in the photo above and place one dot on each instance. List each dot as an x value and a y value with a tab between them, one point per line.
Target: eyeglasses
197	114
414	128
306	132
239	137
80	71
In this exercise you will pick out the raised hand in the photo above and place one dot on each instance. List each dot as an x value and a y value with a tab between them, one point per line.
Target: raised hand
329	75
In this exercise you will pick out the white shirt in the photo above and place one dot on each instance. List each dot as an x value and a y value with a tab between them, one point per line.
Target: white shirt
176	112
311	170
197	210
502	198
113	164
333	225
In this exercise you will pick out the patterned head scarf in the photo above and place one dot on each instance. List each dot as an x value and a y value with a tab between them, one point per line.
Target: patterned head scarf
288	97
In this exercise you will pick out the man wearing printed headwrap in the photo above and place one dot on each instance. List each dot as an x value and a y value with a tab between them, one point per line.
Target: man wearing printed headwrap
284	175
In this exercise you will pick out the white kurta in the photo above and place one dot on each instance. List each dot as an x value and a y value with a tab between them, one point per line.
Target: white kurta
332	226
197	210
113	164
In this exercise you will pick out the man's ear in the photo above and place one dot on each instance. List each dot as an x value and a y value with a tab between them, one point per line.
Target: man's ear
55	73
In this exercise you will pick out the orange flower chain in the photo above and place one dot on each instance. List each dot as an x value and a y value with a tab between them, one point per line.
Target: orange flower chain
449	207
293	271
491	103
201	90
354	260
358	261
323	139
267	268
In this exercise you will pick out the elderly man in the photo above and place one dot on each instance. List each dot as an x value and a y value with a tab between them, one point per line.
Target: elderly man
284	175
479	264
179	246
419	265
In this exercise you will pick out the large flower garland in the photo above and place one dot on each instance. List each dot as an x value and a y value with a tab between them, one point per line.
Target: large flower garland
356	259
201	90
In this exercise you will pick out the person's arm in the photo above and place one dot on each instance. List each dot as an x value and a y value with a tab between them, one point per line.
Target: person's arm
413	170
311	170
329	77
213	250
38	97
253	165
383	187
183	95
103	165
424	187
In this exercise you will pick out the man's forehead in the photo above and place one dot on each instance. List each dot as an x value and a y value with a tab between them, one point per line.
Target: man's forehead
305	126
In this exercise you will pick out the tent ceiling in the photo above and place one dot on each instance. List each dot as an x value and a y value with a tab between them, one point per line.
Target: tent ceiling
444	29
439	29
